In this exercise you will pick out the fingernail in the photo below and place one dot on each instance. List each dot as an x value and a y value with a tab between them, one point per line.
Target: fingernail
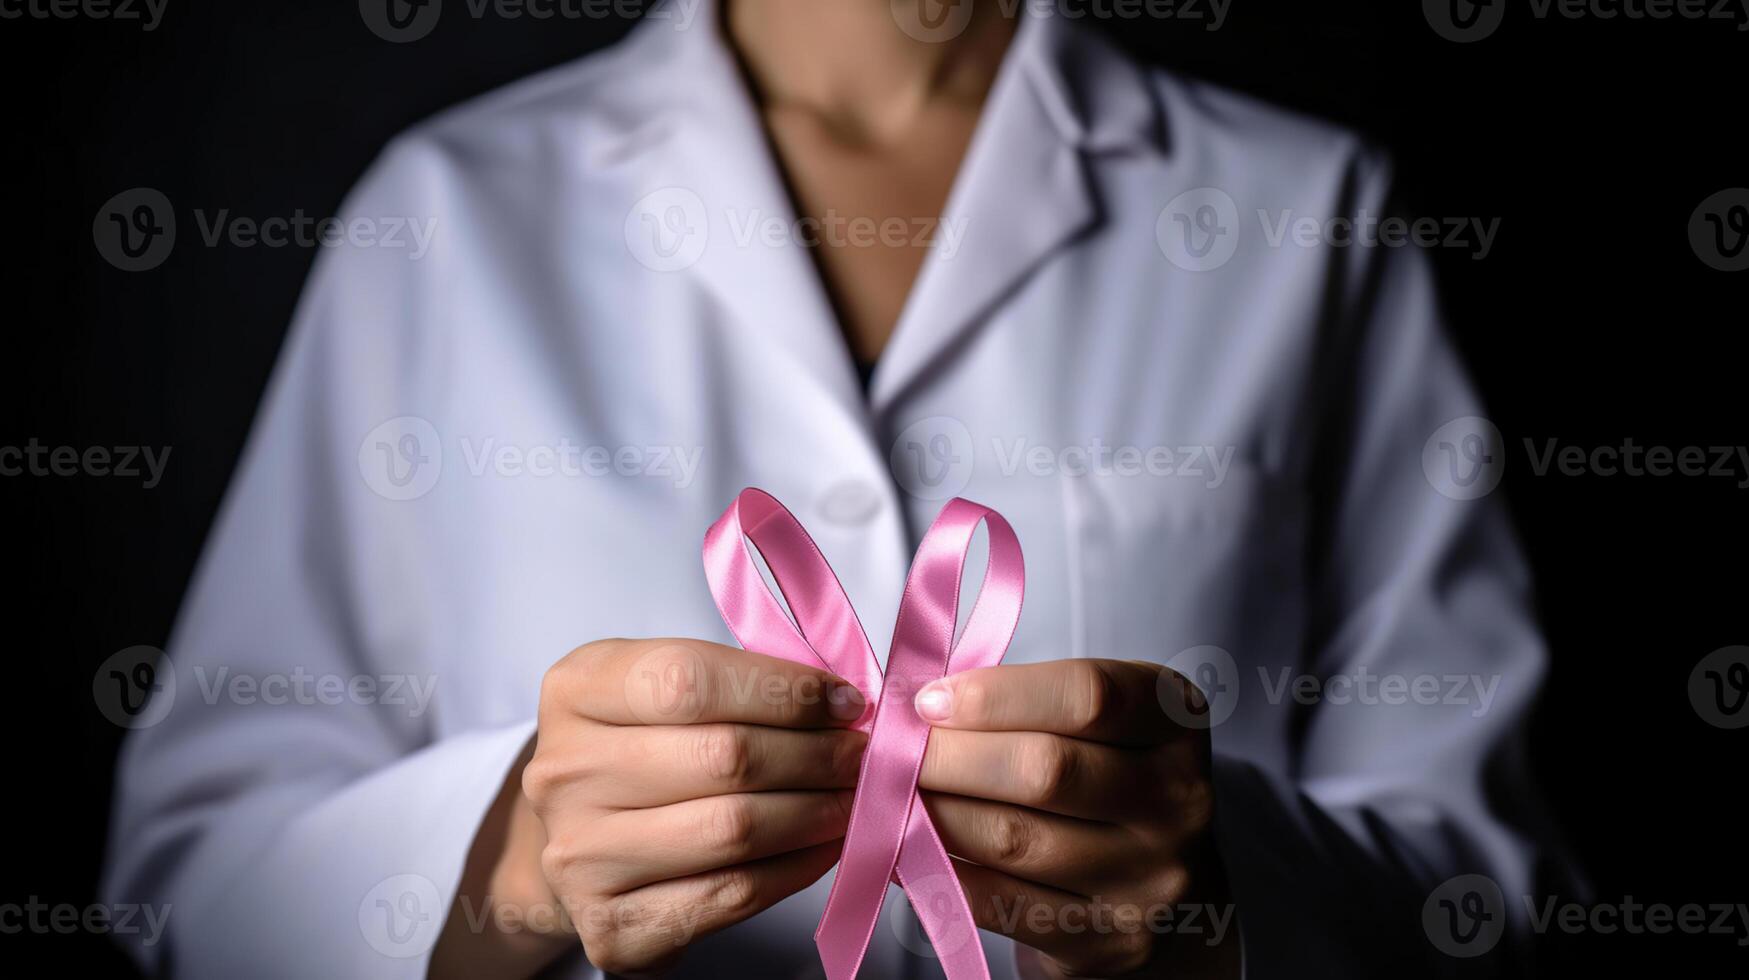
845	702
935	701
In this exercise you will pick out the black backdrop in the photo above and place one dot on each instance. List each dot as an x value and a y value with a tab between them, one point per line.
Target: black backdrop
1593	320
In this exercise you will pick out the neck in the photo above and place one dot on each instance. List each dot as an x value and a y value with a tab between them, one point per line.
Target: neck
850	62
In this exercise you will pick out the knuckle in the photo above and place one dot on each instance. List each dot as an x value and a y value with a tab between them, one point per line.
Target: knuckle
1014	836
730	825
539	779
843	803
1172	883
672	684
607	951
574	672
735	892
554	684
1092	696
725	754
971	700
1194	802
1049	770
559	861
845	749
547	775
1128	952
615	935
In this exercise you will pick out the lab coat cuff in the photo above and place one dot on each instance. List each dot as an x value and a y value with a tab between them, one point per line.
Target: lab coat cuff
1287	909
363	884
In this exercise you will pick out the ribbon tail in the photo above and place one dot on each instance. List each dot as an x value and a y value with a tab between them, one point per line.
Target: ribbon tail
927	874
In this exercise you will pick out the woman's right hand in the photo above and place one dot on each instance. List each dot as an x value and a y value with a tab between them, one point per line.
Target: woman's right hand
684	786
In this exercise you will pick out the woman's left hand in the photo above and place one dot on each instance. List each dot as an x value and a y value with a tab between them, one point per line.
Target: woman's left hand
1078	812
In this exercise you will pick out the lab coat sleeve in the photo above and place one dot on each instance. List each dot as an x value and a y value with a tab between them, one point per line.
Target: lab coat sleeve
1334	861
291	828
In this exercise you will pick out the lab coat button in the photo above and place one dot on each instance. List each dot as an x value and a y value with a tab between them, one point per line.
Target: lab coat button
850	502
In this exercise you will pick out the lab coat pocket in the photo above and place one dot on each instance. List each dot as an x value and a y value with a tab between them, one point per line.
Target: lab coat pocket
1165	565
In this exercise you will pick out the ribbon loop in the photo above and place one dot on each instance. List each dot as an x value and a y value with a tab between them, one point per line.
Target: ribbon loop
890	835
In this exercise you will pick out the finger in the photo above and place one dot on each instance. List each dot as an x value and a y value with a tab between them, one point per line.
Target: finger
1113	701
651	925
1089	937
714	832
686	682
637	767
1033	769
1079	856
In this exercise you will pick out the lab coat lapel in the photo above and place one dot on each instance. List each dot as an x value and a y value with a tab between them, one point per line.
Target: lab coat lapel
1021	193
751	258
1024	191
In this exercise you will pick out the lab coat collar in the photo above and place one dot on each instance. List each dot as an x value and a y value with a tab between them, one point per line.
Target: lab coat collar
1023	192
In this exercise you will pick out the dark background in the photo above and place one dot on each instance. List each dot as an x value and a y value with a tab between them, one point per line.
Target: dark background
1592	321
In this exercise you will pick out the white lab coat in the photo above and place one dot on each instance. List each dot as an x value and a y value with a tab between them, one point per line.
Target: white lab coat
591	302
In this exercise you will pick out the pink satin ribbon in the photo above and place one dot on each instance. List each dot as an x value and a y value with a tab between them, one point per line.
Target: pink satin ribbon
890	835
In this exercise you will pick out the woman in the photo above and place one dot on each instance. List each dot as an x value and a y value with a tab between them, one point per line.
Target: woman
655	276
